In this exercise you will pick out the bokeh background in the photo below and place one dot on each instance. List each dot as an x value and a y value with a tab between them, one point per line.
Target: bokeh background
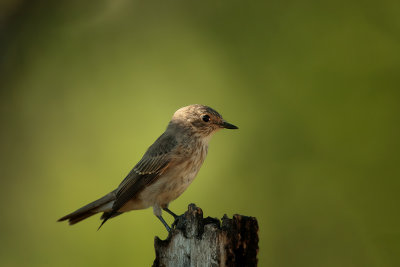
87	86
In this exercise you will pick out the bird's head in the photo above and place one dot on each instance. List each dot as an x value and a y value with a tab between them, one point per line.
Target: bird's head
200	119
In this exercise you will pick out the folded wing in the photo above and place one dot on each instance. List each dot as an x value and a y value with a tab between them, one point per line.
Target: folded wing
154	162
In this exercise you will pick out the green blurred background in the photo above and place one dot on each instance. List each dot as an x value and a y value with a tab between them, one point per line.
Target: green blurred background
87	86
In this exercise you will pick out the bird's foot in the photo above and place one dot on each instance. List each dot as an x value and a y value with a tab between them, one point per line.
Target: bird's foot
164	223
171	213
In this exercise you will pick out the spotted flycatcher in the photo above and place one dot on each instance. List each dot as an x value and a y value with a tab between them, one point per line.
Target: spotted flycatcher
165	171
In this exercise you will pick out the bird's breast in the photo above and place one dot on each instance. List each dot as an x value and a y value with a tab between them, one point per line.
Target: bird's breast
186	170
179	176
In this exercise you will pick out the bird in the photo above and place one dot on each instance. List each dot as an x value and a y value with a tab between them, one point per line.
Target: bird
166	169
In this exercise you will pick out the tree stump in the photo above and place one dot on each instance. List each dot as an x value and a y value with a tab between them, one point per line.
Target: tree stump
195	241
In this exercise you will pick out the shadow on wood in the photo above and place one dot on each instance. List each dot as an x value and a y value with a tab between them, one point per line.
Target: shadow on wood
195	241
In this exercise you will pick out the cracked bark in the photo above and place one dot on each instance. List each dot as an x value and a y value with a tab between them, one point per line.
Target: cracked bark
198	241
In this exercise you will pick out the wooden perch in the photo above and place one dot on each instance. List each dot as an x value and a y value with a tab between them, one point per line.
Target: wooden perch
195	241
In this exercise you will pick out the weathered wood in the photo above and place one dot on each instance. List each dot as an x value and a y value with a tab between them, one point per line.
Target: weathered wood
195	241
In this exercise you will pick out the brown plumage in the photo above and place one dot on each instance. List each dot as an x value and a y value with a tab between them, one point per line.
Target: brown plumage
165	171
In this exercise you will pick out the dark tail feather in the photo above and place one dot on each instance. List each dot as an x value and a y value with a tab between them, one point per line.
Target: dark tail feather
79	217
88	210
103	222
108	215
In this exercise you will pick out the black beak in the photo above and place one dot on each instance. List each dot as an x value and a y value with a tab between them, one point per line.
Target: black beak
227	125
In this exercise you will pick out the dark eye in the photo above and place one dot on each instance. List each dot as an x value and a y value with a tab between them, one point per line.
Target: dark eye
205	118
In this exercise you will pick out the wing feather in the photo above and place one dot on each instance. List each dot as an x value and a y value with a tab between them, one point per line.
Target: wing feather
147	170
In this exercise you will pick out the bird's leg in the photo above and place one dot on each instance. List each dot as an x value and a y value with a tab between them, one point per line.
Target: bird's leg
170	212
164	222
